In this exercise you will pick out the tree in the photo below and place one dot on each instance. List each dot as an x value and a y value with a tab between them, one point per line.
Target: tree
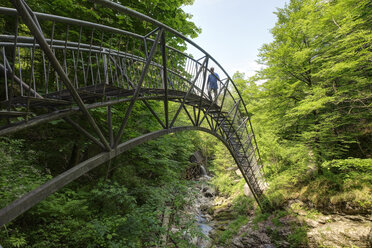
318	89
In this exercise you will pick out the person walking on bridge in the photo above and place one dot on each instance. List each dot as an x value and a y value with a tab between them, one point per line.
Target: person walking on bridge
212	84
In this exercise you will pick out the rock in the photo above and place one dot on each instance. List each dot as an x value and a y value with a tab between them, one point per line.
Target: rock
237	243
281	243
354	218
204	207
194	241
210	211
209	192
261	237
312	170
218	201
208	217
312	223
222	227
340	233
238	172
222	214
269	246
248	237
324	219
204	243
247	191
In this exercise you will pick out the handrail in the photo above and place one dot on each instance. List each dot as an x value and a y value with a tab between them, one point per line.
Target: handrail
68	20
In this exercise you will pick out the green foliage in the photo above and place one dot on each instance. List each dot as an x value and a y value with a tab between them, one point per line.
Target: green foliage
298	237
112	198
346	166
20	171
168	12
311	104
342	182
316	91
232	229
242	205
117	205
259	217
224	167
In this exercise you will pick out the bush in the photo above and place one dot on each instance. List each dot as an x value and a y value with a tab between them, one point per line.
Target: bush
345	166
342	181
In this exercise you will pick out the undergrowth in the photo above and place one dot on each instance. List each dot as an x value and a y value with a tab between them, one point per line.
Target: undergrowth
335	182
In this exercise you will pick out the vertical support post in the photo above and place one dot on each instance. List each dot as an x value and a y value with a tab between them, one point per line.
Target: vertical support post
202	90
223	98
109	126
13	64
165	79
194	111
5	75
105	69
145	44
20	70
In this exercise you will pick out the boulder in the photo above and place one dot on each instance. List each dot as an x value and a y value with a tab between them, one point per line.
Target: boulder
247	191
341	233
238	172
209	191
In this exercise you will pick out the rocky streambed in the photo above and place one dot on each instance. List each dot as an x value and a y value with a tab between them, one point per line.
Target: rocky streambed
300	226
203	201
296	226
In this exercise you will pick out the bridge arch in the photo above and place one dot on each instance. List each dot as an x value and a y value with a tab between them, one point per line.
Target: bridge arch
115	66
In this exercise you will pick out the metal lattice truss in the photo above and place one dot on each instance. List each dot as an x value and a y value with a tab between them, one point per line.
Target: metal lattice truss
45	76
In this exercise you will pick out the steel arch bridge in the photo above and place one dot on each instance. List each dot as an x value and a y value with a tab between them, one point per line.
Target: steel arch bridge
45	76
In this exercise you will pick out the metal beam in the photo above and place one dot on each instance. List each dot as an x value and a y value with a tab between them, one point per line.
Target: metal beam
109	126
165	77
154	114
85	132
58	114
188	114
30	199
202	91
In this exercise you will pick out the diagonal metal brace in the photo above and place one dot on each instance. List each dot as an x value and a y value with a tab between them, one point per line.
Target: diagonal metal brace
188	92
139	85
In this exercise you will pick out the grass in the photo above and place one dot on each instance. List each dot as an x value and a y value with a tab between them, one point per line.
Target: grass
310	213
232	229
298	237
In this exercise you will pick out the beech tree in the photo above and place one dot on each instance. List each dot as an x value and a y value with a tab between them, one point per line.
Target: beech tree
318	90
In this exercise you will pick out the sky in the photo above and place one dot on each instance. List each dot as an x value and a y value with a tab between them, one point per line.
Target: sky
234	30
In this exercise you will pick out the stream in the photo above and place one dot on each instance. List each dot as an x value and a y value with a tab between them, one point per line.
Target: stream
204	200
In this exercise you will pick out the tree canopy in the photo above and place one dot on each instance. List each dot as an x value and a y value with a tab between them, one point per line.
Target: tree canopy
318	88
312	102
